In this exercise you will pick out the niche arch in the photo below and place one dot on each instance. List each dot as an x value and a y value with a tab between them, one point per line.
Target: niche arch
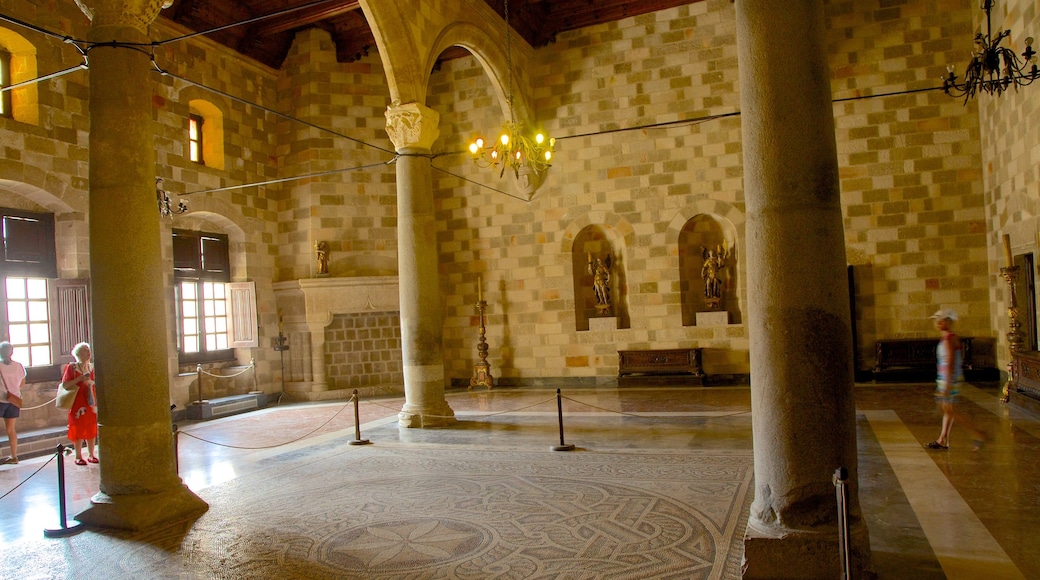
593	245
709	224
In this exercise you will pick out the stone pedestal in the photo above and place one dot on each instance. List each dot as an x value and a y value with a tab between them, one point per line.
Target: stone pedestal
603	323
720	318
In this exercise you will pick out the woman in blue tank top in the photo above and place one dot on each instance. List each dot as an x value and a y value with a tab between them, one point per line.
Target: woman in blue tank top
949	354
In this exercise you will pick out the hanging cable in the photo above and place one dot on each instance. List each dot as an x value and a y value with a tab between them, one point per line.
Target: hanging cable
269	110
293	178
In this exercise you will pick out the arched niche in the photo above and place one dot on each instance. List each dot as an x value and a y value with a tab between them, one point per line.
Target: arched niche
591	243
699	234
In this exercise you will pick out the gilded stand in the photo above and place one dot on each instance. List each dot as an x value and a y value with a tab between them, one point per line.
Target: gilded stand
482	370
1010	275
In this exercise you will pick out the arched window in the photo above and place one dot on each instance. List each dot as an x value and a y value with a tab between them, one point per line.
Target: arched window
205	134
20	104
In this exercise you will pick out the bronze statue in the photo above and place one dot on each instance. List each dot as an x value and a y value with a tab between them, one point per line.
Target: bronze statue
322	250
600	270
711	271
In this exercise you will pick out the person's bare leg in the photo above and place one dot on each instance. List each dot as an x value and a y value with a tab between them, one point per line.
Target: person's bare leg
12	437
90	448
77	447
947	425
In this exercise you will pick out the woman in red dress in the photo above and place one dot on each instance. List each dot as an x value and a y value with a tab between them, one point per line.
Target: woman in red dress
83	424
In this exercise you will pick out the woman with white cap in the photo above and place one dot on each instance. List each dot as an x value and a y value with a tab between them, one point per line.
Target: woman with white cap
949	355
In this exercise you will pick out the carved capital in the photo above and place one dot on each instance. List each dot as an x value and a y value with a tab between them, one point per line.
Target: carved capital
412	125
137	14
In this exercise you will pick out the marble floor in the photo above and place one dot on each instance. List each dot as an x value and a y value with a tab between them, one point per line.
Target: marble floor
658	486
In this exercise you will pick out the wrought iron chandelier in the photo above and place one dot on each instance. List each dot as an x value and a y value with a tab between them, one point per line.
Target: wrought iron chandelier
993	68
166	208
513	149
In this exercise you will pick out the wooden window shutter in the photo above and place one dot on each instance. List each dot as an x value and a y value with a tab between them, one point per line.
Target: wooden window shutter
242	319
72	321
28	245
186	260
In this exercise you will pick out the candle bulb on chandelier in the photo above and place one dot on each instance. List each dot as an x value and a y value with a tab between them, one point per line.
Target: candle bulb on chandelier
480	288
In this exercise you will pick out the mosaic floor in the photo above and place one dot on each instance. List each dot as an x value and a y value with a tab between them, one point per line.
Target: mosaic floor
658	487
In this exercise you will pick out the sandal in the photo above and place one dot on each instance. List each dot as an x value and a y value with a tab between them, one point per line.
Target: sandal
9	461
80	461
936	445
92	460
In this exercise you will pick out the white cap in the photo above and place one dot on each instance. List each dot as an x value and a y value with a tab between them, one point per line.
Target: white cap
944	314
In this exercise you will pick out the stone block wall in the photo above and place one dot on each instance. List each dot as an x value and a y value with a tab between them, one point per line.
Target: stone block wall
1011	131
352	206
910	165
364	350
911	169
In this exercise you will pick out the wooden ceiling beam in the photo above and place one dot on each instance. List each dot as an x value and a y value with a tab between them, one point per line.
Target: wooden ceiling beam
303	18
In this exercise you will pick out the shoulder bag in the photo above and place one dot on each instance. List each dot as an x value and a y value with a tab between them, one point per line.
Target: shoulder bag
66	395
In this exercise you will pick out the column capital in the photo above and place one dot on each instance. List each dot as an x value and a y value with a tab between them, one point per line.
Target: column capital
137	14
412	126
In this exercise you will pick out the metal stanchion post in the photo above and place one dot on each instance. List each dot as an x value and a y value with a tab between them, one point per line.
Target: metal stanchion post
357	424
841	475
65	529
559	412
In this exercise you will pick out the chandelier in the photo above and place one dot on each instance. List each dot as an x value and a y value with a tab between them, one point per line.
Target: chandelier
993	68
513	149
166	208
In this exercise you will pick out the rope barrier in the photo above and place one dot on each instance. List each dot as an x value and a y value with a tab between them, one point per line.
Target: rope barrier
31	475
241	372
646	416
300	438
39	406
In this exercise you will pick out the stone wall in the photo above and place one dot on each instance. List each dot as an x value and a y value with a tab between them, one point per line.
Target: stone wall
612	95
363	350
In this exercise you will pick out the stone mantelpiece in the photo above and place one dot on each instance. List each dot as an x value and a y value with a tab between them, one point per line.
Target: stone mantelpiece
307	306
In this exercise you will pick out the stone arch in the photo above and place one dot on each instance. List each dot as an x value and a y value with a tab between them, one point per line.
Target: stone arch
488	51
37	196
410	42
25	100
708	224
71	238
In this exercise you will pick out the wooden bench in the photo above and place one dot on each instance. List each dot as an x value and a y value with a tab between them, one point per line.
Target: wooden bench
913	360
681	365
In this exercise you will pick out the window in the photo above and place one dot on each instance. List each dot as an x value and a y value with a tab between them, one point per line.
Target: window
28	320
205	134
5	81
43	317
195	139
201	270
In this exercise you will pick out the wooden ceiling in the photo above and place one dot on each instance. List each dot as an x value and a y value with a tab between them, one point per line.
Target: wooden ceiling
250	32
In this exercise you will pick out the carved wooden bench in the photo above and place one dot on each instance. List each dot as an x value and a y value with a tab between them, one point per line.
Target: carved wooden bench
679	364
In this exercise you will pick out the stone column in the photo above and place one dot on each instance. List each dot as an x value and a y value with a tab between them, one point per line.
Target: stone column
139	485
413	129
803	412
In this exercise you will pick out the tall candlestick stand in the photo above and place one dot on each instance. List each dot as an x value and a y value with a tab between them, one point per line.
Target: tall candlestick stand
482	370
1010	275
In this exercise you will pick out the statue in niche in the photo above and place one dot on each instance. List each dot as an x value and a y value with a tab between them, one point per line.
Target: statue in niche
600	270
322	251
711	272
